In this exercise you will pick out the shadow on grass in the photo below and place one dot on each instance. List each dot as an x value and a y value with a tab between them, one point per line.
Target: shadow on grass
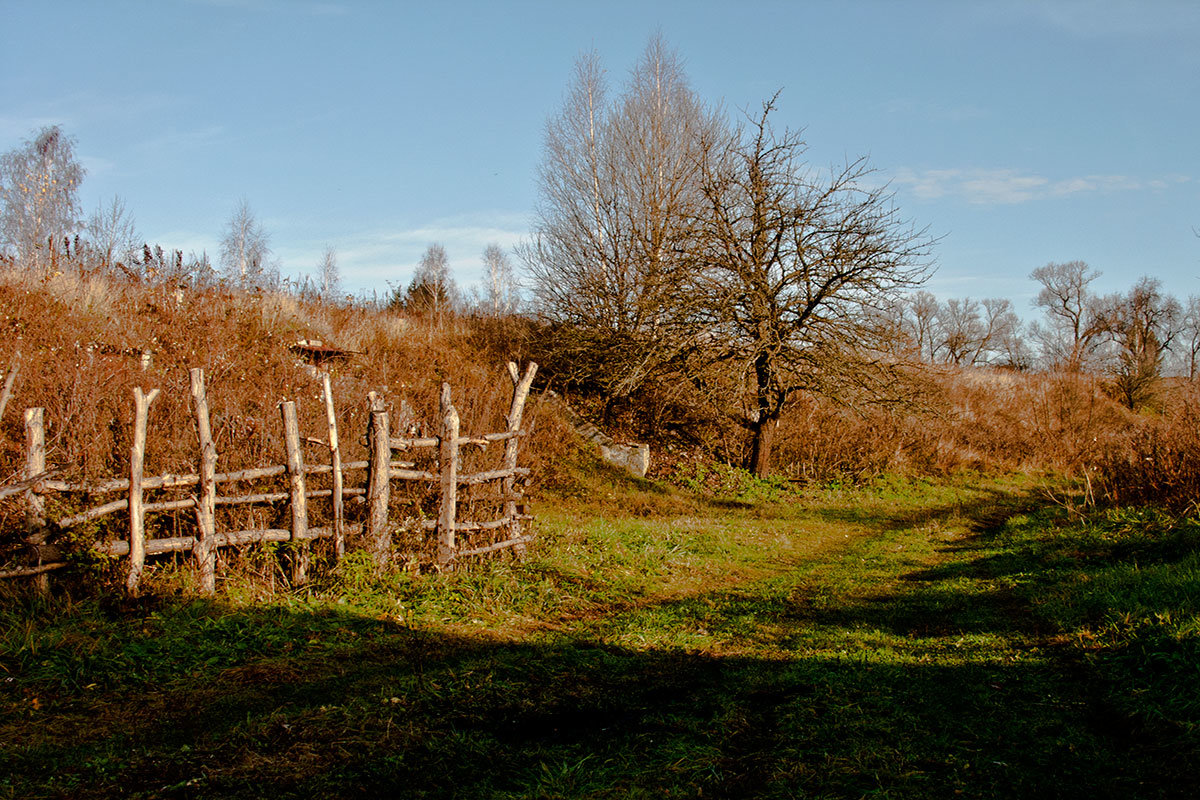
204	700
292	704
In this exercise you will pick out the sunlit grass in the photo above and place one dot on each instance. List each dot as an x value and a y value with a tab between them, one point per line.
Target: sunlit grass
909	639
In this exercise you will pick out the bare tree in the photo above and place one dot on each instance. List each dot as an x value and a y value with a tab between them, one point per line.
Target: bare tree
1074	326
619	183
39	207
432	290
1143	324
499	284
798	267
113	234
1189	337
245	248
919	312
329	278
960	337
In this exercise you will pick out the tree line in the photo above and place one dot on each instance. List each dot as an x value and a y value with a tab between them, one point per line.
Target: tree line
1134	338
42	228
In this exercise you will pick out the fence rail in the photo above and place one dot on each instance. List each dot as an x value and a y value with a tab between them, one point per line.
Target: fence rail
381	471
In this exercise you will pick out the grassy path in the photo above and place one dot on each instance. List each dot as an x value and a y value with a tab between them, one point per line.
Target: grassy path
890	643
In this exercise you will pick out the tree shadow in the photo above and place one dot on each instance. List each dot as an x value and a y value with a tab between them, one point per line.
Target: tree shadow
289	703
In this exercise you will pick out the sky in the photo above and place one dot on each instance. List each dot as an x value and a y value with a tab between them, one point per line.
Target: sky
1018	133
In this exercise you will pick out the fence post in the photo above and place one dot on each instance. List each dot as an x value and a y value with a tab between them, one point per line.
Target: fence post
521	387
448	458
335	461
206	526
297	503
9	379
35	504
378	484
137	516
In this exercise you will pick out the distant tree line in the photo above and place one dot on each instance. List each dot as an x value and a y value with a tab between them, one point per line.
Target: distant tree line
42	229
1134	338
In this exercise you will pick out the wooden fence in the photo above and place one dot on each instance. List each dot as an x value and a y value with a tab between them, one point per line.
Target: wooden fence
452	534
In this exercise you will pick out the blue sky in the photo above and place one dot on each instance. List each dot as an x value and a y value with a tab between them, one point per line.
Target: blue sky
1019	132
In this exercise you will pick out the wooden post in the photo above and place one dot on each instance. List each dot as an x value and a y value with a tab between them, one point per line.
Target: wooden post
378	485
9	379
137	460
35	504
335	461
206	501
298	503
516	410
35	464
448	454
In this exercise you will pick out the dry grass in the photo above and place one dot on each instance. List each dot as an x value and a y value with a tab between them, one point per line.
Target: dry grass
80	339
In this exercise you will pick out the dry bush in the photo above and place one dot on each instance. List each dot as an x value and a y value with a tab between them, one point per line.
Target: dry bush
997	419
819	440
80	341
1156	461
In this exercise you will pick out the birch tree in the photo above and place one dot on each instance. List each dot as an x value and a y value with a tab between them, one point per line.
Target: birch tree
500	290
245	248
39	206
619	186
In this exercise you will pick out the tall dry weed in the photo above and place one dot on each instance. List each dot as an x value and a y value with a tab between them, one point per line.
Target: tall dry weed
82	341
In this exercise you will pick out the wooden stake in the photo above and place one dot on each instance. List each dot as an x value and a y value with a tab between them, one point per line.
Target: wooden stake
335	460
9	380
35	464
137	460
206	526
516	411
449	470
378	485
35	504
298	503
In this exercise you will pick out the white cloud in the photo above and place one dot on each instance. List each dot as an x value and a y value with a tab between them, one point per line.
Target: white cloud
373	260
1009	186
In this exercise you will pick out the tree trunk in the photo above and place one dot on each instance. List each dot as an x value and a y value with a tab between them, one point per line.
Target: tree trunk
763	433
766	419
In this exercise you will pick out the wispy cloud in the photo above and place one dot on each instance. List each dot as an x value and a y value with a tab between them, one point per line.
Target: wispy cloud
1009	186
381	257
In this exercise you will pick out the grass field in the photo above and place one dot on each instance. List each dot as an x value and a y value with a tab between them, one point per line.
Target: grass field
907	639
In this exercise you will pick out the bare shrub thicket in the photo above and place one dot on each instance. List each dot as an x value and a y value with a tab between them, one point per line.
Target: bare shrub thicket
82	342
1156	460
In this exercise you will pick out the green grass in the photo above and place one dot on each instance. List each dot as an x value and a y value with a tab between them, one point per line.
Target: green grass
909	639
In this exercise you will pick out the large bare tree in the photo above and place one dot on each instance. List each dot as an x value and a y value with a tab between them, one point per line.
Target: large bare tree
432	290
39	206
799	268
500	286
619	184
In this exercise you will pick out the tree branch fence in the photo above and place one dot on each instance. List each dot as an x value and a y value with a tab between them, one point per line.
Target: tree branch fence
454	536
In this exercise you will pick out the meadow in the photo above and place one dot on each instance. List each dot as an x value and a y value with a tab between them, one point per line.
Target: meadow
901	639
995	596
